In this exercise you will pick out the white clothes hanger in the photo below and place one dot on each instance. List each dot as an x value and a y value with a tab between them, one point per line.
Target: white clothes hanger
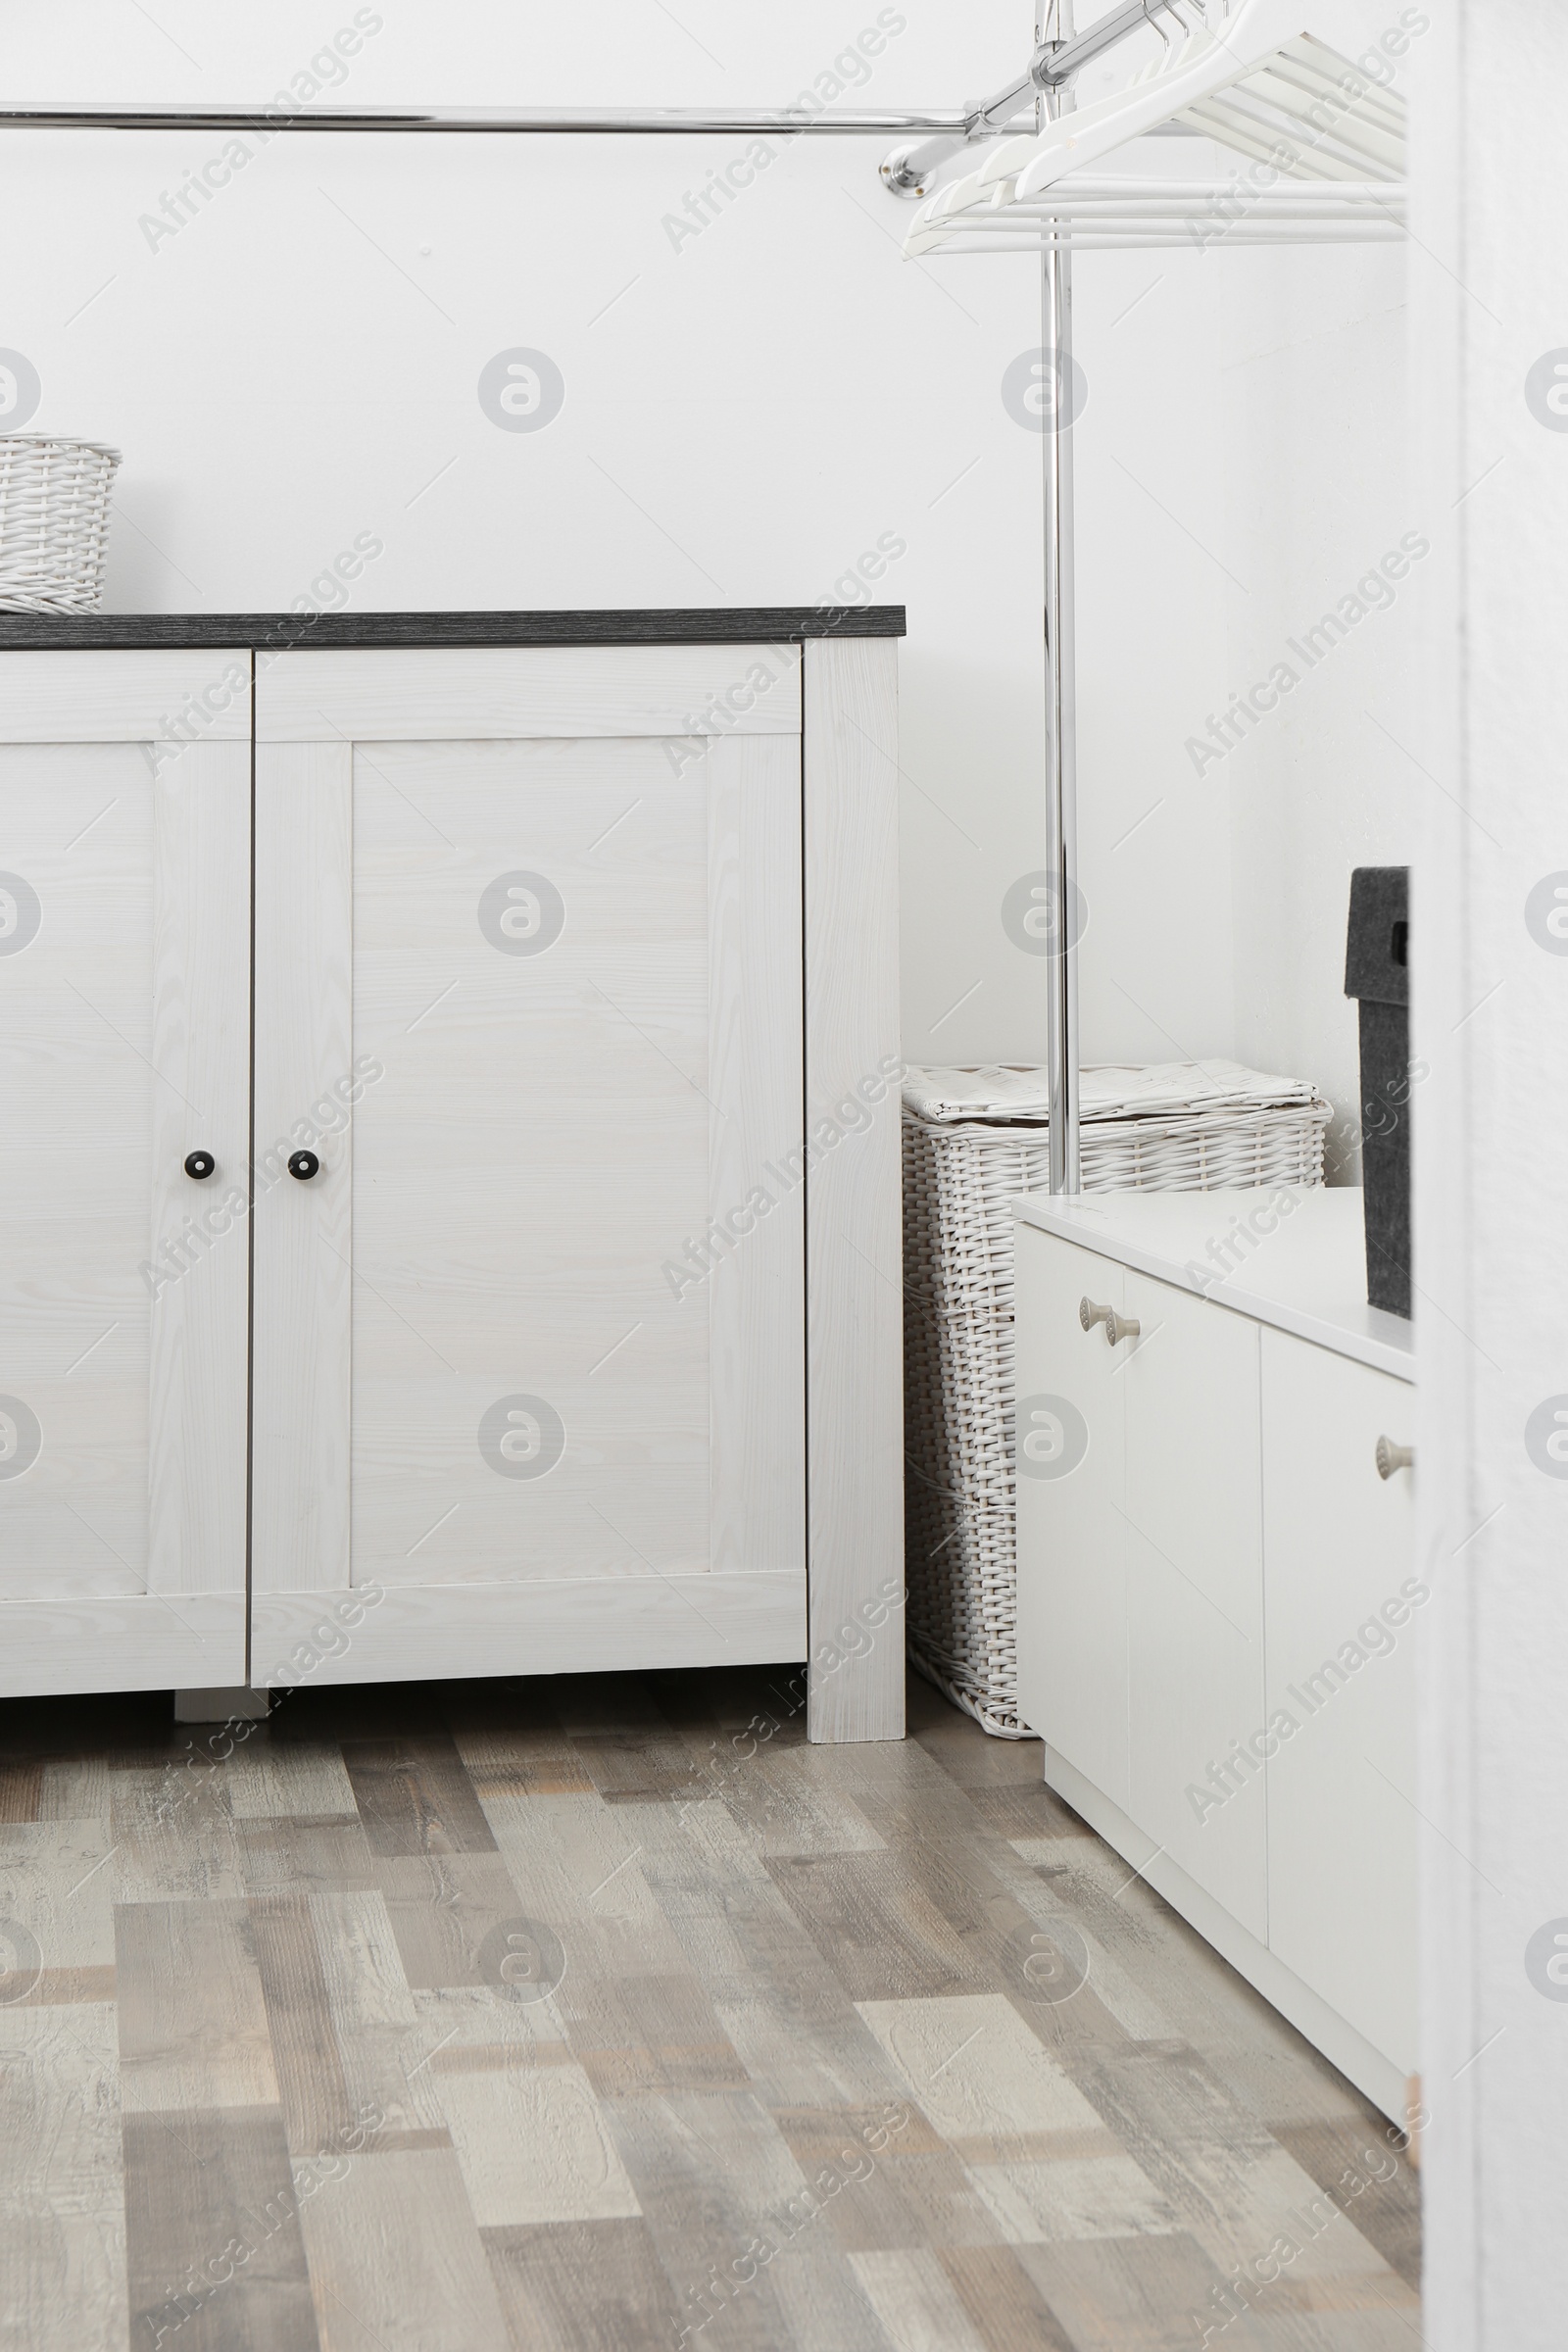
1325	147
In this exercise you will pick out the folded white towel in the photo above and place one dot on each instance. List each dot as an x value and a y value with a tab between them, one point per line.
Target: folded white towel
1107	1090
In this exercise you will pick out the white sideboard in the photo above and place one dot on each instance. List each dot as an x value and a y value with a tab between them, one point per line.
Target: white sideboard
1216	1597
450	1199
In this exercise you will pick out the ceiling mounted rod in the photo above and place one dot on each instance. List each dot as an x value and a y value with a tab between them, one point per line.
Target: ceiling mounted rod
674	120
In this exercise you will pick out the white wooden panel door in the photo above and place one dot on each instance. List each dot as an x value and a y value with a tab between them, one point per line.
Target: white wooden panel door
1342	1602
1195	1593
124	989
1071	1475
529	1353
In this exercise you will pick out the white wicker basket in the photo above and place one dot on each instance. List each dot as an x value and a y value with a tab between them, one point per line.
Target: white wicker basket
971	1139
54	523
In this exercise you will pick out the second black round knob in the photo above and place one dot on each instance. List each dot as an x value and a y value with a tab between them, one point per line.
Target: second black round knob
304	1165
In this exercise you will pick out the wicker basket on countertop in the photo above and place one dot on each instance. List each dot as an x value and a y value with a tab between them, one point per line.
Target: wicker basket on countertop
54	523
972	1139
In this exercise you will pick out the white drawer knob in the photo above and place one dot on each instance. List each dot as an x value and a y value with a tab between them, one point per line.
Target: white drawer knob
1117	1326
1391	1457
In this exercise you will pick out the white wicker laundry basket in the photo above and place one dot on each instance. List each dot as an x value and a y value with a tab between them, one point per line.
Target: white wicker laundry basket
972	1138
54	523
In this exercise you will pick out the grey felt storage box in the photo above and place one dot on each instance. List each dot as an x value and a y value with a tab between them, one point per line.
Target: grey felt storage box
1377	973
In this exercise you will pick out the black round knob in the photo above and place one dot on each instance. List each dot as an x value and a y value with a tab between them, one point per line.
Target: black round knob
199	1164
304	1165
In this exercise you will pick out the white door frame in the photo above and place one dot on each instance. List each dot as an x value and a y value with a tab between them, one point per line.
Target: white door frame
1488	257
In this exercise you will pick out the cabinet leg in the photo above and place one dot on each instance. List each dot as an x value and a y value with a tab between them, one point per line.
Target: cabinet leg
238	1706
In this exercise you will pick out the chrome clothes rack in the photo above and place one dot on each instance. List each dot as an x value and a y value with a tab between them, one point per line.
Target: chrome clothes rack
1323	142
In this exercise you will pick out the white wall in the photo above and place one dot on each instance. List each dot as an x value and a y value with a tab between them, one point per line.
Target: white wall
748	412
1492	1240
1238	479
746	417
1149	467
1319	499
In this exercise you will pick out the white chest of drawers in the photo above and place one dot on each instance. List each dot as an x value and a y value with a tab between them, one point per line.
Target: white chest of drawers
1216	1602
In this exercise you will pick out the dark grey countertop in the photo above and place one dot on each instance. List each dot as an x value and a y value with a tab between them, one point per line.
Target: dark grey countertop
762	625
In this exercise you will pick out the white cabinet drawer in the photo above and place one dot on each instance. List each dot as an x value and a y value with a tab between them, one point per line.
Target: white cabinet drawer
1340	1603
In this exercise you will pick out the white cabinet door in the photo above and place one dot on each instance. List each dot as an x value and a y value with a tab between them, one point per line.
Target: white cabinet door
1341	1600
1195	1592
125	1047
529	1343
1069	1454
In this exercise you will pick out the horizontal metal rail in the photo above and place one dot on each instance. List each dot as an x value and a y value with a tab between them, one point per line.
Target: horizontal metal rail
673	120
1052	65
952	126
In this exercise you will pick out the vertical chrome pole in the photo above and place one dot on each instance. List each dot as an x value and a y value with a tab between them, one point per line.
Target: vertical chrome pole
1054	22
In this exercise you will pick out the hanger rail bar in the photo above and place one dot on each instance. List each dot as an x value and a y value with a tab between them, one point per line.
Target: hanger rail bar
1052	64
672	120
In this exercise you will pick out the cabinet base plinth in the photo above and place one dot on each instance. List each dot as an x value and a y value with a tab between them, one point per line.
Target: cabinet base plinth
566	1625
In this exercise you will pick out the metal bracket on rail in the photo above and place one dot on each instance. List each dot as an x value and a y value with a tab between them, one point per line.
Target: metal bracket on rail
908	170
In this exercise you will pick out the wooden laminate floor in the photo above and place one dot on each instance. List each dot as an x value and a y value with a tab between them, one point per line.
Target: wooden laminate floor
604	2014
